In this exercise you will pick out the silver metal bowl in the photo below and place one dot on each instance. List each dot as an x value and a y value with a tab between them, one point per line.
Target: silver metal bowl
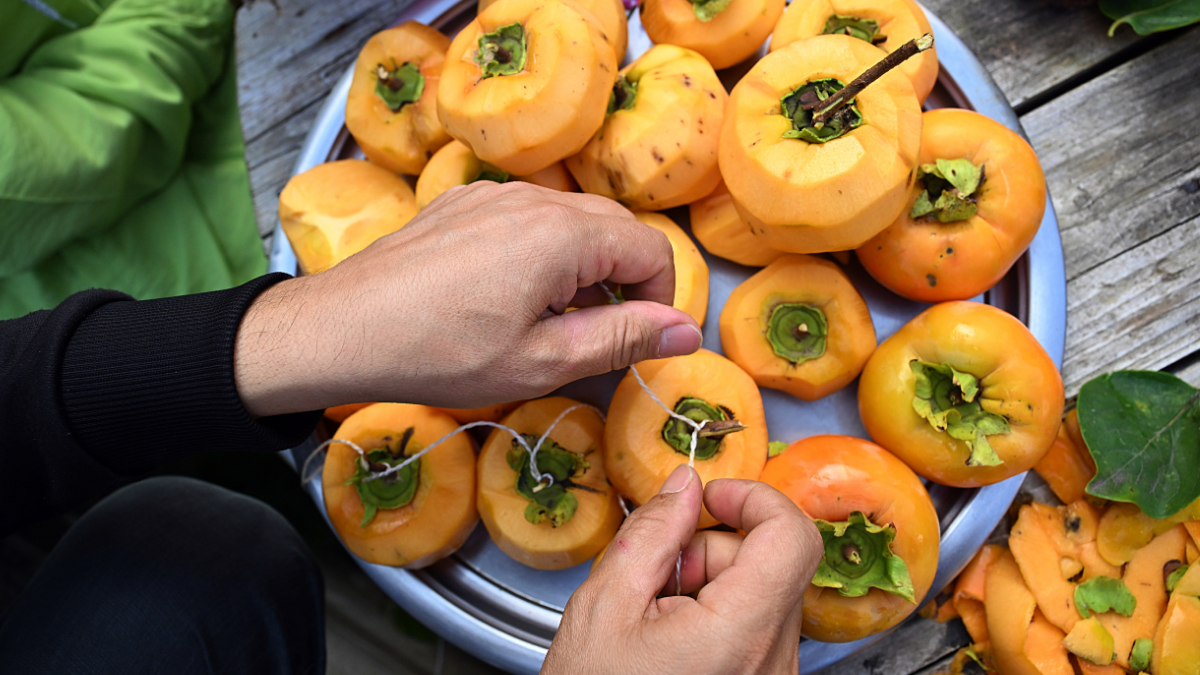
505	613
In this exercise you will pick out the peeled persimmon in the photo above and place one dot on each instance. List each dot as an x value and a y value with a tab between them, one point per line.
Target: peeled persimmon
527	83
643	444
335	210
490	413
879	527
391	109
455	164
810	169
886	24
562	523
339	413
724	31
611	14
800	326
976	206
691	272
718	227
415	516
657	147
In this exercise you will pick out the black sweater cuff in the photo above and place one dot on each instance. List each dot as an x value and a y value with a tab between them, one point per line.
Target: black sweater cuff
149	381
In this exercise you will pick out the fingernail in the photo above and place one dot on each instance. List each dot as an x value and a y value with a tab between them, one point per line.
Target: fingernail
679	340
677	481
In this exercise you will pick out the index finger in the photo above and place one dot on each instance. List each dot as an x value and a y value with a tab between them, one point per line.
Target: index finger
628	252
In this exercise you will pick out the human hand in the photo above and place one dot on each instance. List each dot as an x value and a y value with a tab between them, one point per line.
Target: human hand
746	616
464	307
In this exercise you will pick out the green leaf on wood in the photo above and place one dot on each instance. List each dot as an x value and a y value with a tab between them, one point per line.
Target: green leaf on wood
1150	16
1143	430
1104	594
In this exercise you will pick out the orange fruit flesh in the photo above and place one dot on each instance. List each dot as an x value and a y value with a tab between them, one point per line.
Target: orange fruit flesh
610	13
456	165
691	272
730	37
721	230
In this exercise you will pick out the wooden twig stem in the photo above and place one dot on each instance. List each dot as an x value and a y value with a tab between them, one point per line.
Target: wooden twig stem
906	51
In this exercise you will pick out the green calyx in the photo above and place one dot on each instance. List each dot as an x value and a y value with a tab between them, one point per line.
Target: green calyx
392	491
1139	656
502	52
947	398
797	332
720	420
705	10
1174	576
950	190
863	29
624	95
489	172
1104	594
400	86
547	502
858	557
798	107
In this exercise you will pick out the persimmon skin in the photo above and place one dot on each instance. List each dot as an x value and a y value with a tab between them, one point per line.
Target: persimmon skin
691	272
610	13
335	210
1010	608
662	152
819	197
720	229
831	476
970	593
1017	380
491	413
810	281
442	513
926	260
523	123
731	37
899	21
502	510
636	456
341	412
401	141
1067	467
456	165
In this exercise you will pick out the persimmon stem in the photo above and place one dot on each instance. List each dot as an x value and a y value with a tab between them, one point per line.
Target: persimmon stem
829	106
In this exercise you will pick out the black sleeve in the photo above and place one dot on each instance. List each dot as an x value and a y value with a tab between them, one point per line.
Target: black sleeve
102	388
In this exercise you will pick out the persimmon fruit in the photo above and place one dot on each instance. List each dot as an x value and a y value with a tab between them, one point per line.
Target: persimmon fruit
610	13
719	227
725	32
691	272
455	165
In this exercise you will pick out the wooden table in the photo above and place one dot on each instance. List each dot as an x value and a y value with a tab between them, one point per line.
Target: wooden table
1115	121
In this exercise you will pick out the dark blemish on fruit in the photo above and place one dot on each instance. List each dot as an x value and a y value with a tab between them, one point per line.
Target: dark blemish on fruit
656	155
714	97
687	81
949	251
931	279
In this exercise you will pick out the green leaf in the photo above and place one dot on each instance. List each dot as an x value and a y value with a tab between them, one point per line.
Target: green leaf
1104	594
1139	656
970	652
776	447
1151	16
1143	430
946	398
1174	577
949	194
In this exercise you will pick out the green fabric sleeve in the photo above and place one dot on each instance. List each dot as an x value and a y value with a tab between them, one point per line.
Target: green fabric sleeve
96	120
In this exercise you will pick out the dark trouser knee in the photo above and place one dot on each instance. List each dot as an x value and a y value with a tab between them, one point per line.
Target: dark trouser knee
171	575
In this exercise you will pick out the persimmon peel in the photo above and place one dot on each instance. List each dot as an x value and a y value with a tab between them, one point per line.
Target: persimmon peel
950	187
705	10
391	491
863	29
399	86
1104	594
946	398
858	557
719	422
502	52
797	332
799	105
551	501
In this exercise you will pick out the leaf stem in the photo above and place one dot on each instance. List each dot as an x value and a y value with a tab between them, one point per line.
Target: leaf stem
906	51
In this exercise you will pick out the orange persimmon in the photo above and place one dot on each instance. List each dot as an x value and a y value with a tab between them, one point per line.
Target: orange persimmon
964	394
724	31
569	520
871	509
800	326
392	107
691	272
421	514
1144	578
886	24
339	413
977	204
970	592
526	83
335	210
490	413
611	14
657	147
806	189
643	445
718	227
455	165
1067	467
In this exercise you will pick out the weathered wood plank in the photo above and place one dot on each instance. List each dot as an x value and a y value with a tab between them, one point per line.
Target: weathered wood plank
1190	373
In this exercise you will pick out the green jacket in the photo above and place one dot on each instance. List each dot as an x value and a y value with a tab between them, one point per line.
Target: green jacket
121	156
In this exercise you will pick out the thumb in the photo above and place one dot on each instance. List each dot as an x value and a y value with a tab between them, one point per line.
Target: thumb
597	340
641	558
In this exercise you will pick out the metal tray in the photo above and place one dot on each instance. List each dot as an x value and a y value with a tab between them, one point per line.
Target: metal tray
505	613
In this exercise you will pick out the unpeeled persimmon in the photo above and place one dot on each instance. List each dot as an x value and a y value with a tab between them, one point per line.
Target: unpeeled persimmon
724	31
391	109
886	24
643	444
691	272
455	164
976	206
416	516
527	83
800	326
718	226
560	524
657	147
489	413
611	14
335	210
